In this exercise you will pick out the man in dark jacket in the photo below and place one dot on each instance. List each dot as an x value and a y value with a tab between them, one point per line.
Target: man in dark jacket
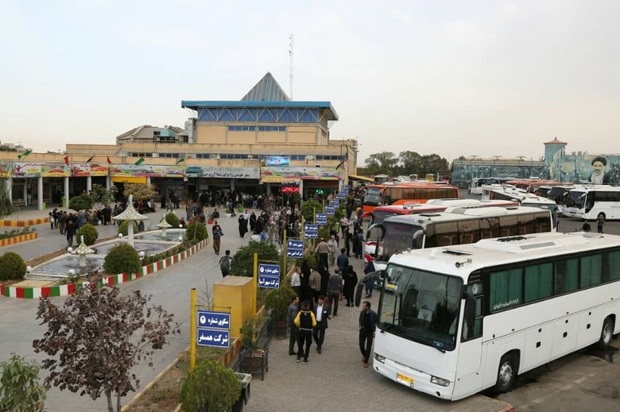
368	325
322	313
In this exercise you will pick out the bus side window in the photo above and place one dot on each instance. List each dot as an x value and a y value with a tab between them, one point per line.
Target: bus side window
472	321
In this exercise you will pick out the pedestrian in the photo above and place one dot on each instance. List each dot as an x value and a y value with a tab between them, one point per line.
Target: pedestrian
350	280
293	309
296	280
367	325
600	221
322	252
322	314
70	231
586	227
243	225
334	289
342	261
305	321
225	263
315	285
369	284
332	244
217	235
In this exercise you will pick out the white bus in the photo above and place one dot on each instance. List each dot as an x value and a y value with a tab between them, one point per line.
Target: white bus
591	202
455	226
465	318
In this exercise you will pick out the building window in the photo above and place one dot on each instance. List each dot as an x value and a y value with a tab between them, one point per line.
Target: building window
271	128
241	128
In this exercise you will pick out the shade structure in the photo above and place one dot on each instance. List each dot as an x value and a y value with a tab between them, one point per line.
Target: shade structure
130	214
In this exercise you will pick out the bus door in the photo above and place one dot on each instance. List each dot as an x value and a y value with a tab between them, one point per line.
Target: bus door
469	378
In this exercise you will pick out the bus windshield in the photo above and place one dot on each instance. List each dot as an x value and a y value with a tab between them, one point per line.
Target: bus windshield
374	196
399	237
422	306
575	199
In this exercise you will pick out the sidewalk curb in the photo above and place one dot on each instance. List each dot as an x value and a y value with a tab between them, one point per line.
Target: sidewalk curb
19	239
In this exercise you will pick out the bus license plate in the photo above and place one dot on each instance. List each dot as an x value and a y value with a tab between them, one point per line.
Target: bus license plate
407	380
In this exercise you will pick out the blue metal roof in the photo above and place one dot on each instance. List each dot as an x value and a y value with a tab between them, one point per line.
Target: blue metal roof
214	104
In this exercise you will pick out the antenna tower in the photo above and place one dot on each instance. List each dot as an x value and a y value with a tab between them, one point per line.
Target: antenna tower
290	54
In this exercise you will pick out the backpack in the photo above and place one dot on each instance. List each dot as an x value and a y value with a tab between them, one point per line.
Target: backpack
225	264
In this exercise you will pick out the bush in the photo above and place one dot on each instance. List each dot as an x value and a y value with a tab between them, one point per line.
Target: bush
80	202
211	387
89	232
123	227
12	266
20	389
173	220
196	231
278	300
122	258
243	260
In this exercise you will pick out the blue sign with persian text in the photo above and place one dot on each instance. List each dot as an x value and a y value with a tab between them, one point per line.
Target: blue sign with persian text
294	248
213	337
330	210
311	231
268	281
266	269
321	218
213	320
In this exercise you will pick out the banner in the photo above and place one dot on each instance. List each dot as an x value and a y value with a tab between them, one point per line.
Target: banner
145	170
5	169
278	160
295	174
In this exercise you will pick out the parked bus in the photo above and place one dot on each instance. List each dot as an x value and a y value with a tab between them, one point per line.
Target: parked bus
476	184
454	227
470	317
591	202
502	192
406	192
380	213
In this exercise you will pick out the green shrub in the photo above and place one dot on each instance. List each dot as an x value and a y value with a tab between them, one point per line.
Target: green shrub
211	387
122	258
279	300
12	266
196	231
20	389
80	202
309	208
173	220
123	228
243	260
89	232
310	259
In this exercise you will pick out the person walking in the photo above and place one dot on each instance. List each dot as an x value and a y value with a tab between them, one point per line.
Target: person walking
305	321
225	263
350	280
315	285
367	325
322	314
600	221
332	245
217	235
322	252
296	280
334	289
291	314
343	261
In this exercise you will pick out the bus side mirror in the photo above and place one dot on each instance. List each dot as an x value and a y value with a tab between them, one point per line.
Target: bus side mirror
417	239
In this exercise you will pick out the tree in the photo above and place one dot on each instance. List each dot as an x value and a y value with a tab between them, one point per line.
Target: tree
101	197
98	336
383	162
20	389
81	202
5	203
411	163
140	191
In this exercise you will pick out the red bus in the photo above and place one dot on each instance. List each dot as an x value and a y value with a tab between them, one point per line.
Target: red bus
407	192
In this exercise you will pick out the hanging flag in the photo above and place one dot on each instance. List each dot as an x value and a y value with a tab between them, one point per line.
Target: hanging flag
181	159
140	161
109	161
66	160
90	159
23	155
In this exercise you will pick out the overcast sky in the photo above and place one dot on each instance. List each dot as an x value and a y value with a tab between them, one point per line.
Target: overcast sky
486	78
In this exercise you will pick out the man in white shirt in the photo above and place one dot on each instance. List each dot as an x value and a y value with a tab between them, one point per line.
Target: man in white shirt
296	280
322	313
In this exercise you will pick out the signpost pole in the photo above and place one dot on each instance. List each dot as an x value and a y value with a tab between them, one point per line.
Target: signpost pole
255	275
284	253
192	327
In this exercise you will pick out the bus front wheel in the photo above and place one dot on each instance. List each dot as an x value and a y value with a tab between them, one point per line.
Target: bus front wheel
506	374
607	333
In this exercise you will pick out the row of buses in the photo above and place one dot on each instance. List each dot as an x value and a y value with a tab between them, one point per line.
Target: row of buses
476	292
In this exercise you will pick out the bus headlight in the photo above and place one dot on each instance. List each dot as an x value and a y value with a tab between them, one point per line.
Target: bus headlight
379	358
440	381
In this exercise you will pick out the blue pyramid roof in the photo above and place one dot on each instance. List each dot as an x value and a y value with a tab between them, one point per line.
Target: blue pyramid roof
267	89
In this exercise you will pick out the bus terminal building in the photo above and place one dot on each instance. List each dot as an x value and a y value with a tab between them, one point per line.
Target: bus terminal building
259	144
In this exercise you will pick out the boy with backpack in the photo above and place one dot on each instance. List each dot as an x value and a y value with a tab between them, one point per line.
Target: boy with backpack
225	263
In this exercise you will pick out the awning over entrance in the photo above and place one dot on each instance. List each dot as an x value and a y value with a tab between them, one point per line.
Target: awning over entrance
362	178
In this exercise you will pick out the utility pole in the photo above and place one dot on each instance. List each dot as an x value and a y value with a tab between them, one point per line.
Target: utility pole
290	54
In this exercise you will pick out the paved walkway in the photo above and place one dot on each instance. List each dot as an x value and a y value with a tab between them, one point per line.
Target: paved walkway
335	379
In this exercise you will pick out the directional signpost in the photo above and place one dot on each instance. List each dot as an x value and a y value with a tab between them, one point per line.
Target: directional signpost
311	231
330	210
268	276
321	218
295	248
213	329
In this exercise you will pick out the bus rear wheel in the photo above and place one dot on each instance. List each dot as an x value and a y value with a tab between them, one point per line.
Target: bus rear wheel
607	333
506	374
